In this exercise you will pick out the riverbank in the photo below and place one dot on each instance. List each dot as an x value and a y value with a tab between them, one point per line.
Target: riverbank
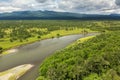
10	51
7	45
15	73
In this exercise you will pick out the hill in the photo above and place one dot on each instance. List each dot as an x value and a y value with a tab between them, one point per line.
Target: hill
51	15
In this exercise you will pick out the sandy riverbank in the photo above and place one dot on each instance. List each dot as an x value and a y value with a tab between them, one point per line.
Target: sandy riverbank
12	50
15	73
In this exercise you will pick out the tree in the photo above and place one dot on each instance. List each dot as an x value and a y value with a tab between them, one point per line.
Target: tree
39	37
111	75
85	32
58	35
2	34
11	40
1	49
52	37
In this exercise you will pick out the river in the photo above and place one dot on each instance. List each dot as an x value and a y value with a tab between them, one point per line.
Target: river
35	53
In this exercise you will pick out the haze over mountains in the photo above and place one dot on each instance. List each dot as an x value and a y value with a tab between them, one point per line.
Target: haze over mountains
31	15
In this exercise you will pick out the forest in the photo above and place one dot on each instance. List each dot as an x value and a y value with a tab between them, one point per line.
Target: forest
97	58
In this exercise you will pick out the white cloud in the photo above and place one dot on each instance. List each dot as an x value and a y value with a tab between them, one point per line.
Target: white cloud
80	6
117	2
9	9
85	5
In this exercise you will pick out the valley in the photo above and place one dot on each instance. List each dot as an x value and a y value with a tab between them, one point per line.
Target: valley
42	43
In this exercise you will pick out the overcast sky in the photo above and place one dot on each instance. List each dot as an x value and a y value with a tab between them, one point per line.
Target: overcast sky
76	6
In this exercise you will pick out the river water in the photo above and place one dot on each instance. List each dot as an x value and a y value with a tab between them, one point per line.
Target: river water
35	53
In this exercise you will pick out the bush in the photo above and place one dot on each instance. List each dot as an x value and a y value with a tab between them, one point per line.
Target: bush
1	50
85	61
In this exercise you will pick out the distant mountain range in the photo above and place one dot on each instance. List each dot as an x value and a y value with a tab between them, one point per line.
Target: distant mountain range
31	15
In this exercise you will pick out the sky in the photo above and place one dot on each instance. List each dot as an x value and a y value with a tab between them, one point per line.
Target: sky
75	6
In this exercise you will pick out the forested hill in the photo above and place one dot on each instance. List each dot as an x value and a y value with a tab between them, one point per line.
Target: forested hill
31	15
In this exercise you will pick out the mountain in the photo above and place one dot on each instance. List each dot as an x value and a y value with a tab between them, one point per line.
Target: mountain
31	15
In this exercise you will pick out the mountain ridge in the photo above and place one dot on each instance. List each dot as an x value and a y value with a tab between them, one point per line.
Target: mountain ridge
40	15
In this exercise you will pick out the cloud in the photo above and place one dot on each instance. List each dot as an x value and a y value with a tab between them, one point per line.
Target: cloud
9	9
42	1
79	6
117	2
85	5
16	5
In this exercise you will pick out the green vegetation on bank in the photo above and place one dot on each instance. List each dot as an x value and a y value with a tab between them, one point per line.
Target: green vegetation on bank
57	33
16	33
91	58
95	59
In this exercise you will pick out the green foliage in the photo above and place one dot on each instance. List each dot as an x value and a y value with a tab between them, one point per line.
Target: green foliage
41	78
39	37
92	76
111	75
58	35
95	59
16	33
1	49
2	34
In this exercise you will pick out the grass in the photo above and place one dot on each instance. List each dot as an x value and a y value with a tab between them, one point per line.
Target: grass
81	40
